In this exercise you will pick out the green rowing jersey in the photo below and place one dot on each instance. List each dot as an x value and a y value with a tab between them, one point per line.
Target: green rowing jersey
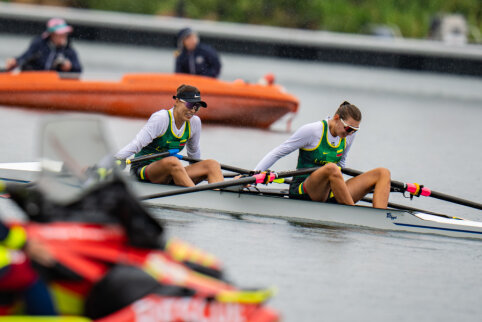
167	141
322	154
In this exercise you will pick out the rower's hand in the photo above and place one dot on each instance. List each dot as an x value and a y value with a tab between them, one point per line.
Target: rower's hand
250	174
240	177
121	163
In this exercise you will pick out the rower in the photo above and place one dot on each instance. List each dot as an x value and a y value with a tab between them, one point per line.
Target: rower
173	129
325	144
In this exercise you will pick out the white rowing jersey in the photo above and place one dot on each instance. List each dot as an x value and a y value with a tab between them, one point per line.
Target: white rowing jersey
156	126
306	137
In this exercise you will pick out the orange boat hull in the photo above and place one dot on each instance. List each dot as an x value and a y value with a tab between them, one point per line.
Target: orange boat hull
139	95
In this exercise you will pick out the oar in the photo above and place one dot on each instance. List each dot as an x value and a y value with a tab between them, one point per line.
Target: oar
151	156
257	178
418	190
223	166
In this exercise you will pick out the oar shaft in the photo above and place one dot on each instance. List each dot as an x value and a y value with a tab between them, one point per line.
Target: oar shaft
457	200
426	192
152	156
217	185
403	207
229	183
223	166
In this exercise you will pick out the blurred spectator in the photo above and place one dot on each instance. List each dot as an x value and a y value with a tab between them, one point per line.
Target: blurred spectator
194	57
451	29
49	51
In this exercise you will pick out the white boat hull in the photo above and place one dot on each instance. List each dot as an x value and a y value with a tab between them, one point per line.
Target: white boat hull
301	211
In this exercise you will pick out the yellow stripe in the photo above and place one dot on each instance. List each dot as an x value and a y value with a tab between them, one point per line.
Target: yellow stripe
319	142
300	188
333	146
189	126
16	238
3	186
141	173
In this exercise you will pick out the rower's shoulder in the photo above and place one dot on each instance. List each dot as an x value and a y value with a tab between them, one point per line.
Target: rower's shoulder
160	113
314	126
195	120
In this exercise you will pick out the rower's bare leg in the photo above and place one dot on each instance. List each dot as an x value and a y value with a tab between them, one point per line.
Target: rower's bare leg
319	183
163	170
209	170
376	180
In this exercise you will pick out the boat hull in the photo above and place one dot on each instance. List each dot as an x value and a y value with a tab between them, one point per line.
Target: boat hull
139	95
242	203
308	212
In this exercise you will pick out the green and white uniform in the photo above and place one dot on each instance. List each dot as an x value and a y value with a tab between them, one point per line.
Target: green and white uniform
316	147
161	134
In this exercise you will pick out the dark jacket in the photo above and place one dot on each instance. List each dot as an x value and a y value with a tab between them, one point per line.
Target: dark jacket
43	55
201	61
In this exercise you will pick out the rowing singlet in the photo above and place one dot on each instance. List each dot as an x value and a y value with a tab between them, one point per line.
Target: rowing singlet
165	142
322	154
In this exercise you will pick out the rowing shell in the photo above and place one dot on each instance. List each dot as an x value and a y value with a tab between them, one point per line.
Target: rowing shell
241	202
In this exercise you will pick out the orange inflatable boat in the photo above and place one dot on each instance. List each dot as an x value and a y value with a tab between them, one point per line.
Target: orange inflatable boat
139	95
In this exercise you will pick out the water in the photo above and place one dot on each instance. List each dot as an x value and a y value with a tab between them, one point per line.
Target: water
423	127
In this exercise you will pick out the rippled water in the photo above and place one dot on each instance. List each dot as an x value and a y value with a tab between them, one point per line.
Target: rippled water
423	127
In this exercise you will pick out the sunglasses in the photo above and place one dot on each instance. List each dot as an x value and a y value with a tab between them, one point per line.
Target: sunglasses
349	128
189	105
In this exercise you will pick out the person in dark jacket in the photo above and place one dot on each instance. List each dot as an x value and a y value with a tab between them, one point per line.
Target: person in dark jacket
194	57
50	51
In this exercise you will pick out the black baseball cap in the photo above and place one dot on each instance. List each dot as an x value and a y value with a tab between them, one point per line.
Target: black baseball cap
189	94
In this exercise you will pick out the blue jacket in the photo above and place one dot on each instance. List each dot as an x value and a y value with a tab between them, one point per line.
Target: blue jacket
201	61
42	55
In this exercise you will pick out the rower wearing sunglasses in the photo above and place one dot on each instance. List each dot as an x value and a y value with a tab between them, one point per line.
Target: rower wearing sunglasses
173	129
325	144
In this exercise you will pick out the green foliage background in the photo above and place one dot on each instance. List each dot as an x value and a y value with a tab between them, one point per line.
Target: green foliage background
412	17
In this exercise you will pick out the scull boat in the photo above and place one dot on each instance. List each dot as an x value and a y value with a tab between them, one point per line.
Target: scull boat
270	203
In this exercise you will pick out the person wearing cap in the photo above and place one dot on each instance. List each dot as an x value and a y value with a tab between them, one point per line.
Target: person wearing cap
194	57
173	129
325	144
50	51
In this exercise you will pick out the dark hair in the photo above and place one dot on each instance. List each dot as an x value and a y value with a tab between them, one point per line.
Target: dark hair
349	110
186	89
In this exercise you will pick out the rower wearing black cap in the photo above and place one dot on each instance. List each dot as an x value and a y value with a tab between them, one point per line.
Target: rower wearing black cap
173	129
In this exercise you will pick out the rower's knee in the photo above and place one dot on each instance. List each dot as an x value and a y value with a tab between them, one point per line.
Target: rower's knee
332	170
212	165
172	163
383	173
